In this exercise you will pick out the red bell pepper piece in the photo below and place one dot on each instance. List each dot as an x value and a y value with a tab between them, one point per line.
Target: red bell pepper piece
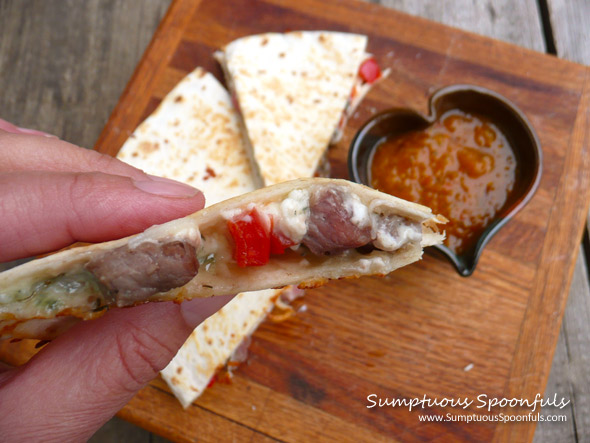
251	235
369	70
278	241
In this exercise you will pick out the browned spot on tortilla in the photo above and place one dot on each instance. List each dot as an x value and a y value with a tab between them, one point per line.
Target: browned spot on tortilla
290	99
209	341
264	41
176	122
282	54
9	329
147	147
322	38
312	284
192	388
179	370
317	100
209	172
201	73
135	154
205	327
279	315
175	381
178	99
262	71
166	141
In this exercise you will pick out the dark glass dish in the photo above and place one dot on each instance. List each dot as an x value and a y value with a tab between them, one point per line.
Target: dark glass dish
470	99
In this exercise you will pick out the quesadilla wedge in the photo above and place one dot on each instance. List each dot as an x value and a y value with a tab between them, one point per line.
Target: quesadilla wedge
194	136
214	343
294	92
303	232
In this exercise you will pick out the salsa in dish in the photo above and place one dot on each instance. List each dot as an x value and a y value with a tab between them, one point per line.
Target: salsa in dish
461	166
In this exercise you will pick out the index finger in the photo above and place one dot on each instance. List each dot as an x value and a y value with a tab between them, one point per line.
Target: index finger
23	152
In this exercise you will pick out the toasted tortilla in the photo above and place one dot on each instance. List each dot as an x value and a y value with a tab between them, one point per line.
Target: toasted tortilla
214	341
292	90
194	137
67	284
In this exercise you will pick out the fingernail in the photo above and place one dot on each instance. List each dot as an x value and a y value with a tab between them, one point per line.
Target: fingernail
35	132
197	310
165	187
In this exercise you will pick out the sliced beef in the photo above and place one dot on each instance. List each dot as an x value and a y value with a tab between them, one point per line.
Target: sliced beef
133	275
330	226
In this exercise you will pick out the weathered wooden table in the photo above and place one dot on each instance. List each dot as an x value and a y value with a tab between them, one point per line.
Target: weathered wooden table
63	65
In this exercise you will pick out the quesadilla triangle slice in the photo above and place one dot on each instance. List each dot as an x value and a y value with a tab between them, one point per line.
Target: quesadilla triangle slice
217	341
303	232
194	136
295	92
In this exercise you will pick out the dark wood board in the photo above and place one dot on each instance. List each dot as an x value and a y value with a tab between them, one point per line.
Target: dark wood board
413	332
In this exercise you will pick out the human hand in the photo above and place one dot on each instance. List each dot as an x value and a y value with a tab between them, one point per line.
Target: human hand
52	194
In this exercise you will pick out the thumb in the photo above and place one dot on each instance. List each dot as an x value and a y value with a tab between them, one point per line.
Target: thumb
81	379
43	211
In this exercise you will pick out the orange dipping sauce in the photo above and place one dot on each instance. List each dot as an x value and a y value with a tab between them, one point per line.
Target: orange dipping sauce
461	166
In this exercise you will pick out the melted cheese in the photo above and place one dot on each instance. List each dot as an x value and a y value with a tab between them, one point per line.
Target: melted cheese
393	232
360	212
294	211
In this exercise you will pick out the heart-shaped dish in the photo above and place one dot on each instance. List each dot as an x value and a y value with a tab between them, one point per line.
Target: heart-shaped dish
471	100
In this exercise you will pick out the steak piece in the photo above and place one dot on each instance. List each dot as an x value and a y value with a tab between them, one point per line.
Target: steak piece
332	225
133	275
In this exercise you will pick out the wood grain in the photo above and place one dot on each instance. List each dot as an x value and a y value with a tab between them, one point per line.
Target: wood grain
63	66
520	23
570	24
575	327
438	57
439	345
67	82
513	22
569	375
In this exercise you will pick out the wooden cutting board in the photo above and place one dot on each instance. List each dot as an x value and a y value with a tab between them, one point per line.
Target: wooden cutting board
423	330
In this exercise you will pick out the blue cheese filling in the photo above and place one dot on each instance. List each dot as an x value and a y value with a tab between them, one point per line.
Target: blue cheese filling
389	232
